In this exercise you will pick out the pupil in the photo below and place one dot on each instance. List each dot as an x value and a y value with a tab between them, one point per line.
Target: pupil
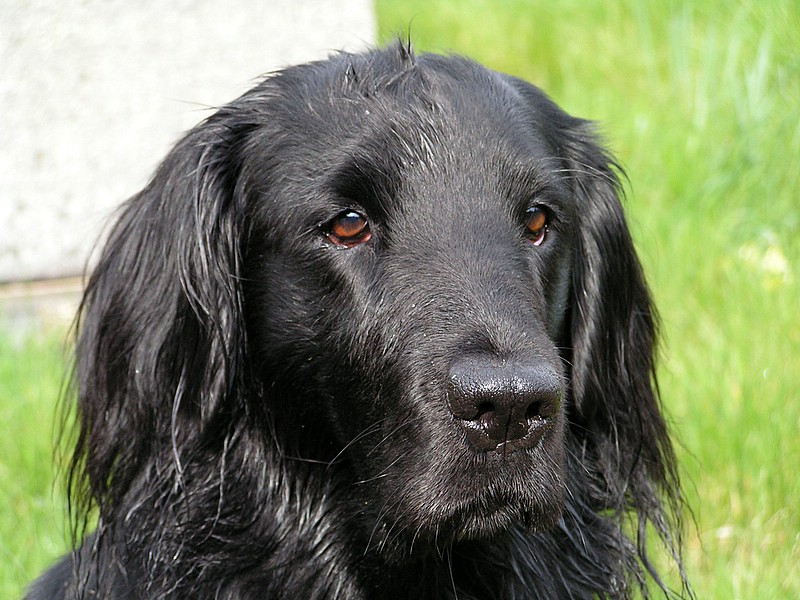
351	220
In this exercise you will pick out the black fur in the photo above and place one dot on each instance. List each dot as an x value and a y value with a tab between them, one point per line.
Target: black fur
267	413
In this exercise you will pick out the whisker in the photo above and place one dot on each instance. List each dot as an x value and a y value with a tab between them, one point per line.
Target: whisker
364	433
384	472
392	432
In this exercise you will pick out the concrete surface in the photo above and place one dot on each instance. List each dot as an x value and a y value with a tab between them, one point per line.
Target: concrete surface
94	92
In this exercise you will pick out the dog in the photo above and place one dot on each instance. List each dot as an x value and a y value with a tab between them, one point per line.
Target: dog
376	329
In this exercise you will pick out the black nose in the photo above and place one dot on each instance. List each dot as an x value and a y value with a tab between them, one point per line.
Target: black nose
503	406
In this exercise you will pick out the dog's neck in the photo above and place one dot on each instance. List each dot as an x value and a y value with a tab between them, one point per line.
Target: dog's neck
302	531
316	549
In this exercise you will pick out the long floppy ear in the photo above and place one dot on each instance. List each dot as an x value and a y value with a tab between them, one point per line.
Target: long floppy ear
161	341
614	325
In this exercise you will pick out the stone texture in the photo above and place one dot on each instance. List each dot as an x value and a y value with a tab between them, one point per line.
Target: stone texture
93	93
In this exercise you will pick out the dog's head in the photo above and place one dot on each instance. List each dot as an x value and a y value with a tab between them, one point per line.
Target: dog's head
407	287
413	270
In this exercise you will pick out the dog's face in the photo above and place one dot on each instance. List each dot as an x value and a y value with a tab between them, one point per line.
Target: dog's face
407	281
377	305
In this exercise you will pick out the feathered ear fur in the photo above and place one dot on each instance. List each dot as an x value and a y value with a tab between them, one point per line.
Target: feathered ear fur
613	318
613	338
161	343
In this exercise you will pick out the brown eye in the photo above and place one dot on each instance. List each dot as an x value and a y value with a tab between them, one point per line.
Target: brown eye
536	224
348	229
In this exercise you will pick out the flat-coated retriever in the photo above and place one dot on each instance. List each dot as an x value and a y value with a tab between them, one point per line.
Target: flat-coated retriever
376	329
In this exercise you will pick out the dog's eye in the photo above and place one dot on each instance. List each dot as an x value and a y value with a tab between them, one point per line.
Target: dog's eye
536	224
349	228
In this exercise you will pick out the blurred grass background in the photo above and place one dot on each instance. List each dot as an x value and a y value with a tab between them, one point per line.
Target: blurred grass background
700	101
33	523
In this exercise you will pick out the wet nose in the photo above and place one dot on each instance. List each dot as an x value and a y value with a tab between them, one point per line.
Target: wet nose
503	406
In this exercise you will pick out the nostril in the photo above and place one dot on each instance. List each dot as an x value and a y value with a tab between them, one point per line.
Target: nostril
534	411
486	414
485	408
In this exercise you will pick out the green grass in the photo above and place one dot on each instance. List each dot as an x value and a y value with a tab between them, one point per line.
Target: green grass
701	102
33	530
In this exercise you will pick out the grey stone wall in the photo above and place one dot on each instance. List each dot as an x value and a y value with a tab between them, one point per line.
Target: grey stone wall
94	92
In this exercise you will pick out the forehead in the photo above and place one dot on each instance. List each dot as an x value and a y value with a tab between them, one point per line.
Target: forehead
352	97
382	120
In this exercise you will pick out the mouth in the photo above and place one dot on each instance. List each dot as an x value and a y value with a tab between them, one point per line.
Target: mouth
489	516
490	496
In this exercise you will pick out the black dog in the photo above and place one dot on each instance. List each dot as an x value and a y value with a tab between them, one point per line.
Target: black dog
376	329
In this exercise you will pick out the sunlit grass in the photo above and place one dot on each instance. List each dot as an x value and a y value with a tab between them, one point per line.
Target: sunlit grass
33	519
